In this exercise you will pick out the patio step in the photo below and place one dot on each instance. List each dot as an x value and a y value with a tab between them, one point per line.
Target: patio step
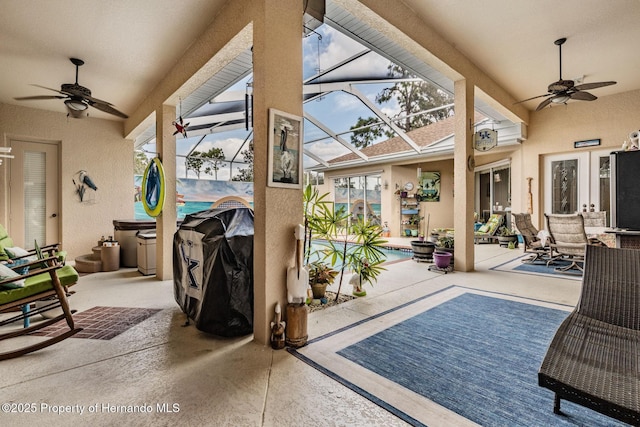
88	263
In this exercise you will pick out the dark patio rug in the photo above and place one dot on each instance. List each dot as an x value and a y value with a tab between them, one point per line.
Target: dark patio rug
101	323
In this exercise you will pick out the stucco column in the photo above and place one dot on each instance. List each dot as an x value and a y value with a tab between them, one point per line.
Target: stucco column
166	221
277	83
463	170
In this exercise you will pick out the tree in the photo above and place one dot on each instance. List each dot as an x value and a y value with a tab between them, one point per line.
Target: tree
194	162
412	97
365	131
213	161
246	174
140	161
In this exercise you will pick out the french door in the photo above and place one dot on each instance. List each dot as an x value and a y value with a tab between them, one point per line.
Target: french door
577	181
33	193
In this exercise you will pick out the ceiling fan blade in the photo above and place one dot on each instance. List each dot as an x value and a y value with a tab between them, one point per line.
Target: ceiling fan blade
535	97
587	86
107	108
544	104
583	96
48	88
29	98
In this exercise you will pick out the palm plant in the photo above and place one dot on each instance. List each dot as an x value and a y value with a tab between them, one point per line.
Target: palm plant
345	244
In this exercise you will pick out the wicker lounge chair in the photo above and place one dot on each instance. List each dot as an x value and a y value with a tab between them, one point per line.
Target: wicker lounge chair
532	243
593	359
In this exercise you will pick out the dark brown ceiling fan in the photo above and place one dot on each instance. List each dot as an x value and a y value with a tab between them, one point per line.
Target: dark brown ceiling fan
76	98
563	90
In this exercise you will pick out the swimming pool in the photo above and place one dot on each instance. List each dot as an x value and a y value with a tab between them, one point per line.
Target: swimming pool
391	254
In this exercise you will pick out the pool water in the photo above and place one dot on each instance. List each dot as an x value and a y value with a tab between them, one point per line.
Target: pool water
391	254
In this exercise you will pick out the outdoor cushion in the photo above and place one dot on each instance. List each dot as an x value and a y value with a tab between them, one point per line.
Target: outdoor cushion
5	242
7	273
39	283
492	224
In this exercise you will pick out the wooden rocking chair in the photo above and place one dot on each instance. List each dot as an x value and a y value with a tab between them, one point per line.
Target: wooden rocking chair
46	279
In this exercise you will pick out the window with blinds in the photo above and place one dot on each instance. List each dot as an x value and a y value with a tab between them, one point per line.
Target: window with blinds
34	197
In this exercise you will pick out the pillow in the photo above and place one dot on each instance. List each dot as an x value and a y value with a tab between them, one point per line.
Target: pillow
23	270
16	252
6	273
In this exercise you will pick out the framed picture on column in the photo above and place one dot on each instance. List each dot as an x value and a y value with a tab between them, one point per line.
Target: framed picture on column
285	150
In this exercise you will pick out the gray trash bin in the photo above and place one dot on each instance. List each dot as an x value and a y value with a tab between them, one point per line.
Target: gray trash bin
146	252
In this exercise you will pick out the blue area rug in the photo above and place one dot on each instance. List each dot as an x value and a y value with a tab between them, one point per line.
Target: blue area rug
517	266
456	357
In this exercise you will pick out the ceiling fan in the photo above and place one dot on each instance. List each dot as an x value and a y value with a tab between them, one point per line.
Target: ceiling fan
76	98
563	90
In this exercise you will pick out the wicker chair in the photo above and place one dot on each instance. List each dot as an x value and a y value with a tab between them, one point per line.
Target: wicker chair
532	243
593	360
569	240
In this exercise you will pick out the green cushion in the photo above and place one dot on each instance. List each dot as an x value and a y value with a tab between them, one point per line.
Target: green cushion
5	242
39	283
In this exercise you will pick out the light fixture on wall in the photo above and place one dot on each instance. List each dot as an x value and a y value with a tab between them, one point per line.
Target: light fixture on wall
386	184
419	173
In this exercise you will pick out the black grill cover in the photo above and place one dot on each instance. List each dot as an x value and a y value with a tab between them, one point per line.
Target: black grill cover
213	270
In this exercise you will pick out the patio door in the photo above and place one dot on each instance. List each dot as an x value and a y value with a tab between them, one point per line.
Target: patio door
577	181
33	193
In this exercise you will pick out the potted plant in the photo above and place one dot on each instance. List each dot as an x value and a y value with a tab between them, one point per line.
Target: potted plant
321	275
414	220
345	243
443	254
507	237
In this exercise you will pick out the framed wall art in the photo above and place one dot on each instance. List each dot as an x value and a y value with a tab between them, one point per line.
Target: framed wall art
285	150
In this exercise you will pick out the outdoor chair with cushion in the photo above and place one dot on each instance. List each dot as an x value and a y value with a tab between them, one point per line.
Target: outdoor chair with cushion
593	359
9	251
487	232
532	243
569	240
595	219
40	279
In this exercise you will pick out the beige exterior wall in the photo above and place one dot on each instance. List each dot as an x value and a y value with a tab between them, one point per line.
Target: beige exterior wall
94	145
554	130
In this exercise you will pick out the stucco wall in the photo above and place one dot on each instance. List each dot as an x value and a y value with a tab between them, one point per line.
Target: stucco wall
95	145
554	130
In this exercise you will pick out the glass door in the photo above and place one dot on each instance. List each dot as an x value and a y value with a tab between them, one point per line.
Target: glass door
576	182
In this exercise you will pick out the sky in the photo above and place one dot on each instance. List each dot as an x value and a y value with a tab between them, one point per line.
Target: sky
339	111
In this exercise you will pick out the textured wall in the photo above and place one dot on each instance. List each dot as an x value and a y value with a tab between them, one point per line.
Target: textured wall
95	145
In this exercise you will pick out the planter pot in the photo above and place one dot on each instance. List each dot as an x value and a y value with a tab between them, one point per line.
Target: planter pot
448	250
442	259
414	233
422	250
318	290
407	232
504	240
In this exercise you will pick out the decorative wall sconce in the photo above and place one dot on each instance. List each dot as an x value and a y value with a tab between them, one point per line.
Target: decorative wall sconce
419	173
386	185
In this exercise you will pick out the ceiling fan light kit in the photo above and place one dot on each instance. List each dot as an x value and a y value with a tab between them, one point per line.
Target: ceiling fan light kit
77	99
562	91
